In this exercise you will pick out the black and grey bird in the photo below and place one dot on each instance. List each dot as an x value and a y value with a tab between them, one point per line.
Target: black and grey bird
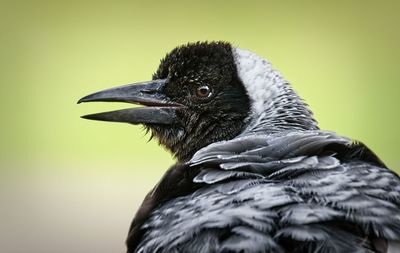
254	173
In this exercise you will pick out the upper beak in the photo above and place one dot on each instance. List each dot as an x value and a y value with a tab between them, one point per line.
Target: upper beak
160	110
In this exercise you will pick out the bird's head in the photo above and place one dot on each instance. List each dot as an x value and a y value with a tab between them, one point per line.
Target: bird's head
207	92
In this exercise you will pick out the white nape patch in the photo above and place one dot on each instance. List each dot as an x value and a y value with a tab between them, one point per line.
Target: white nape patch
261	81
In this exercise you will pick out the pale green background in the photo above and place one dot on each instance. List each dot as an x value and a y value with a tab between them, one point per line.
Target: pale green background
72	185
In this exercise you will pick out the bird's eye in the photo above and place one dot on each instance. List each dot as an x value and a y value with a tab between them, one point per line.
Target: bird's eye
203	91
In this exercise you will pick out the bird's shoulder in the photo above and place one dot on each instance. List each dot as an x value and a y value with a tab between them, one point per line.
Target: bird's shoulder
277	193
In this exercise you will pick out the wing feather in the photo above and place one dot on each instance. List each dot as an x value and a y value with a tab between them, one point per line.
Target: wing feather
295	192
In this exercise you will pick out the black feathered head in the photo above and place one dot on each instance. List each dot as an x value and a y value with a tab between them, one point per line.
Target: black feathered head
207	92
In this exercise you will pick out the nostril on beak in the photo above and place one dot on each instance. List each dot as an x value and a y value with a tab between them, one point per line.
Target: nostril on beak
149	91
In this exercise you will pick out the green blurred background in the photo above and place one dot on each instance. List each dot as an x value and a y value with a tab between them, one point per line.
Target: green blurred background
71	185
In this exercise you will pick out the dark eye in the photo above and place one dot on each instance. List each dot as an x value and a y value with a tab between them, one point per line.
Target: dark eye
203	91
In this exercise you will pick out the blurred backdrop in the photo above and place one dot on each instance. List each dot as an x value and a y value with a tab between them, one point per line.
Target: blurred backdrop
72	185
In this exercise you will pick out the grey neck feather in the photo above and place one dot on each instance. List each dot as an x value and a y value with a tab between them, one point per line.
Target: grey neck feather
275	106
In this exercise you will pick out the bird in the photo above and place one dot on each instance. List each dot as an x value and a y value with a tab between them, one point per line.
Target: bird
254	172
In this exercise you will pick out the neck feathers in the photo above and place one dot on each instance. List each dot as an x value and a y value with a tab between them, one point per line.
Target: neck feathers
275	106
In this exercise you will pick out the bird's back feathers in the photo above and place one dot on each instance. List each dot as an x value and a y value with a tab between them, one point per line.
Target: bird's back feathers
305	191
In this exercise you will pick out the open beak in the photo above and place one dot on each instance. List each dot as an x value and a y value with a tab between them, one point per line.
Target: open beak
159	108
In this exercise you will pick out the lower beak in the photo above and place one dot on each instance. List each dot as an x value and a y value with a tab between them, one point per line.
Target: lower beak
160	109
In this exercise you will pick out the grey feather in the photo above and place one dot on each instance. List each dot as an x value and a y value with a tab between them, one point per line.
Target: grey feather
278	193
